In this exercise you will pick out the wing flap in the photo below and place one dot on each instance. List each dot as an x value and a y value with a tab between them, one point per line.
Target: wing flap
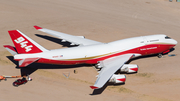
76	40
110	67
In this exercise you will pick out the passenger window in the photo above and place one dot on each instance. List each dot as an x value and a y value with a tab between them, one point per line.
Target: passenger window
153	40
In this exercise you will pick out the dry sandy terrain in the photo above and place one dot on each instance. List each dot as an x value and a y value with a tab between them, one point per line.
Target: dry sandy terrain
100	20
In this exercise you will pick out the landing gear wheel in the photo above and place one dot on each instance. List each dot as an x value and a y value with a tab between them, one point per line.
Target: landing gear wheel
160	56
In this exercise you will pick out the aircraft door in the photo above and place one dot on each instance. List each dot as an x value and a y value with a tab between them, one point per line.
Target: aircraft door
145	40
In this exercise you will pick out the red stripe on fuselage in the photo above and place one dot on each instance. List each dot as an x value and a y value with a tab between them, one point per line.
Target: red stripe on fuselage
144	50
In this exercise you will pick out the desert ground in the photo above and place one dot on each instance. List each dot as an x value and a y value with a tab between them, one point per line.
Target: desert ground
158	79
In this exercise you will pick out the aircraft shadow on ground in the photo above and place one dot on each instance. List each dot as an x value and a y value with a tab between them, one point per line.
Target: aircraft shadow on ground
99	91
35	66
56	40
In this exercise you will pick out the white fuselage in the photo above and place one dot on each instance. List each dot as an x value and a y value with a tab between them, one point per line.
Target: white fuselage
144	45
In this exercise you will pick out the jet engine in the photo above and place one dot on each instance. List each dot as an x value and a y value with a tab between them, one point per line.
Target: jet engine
117	79
129	68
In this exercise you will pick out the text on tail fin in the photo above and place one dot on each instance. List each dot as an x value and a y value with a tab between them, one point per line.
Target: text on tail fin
24	44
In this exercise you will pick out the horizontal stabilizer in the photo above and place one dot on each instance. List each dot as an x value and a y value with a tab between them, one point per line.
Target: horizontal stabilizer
27	61
11	49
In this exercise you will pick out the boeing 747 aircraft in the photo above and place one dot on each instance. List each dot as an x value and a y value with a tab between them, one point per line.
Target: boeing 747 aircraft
108	57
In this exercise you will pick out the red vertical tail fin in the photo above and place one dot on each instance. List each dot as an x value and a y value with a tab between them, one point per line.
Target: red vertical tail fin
24	44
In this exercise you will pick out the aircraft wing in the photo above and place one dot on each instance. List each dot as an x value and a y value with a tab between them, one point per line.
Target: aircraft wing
110	66
75	40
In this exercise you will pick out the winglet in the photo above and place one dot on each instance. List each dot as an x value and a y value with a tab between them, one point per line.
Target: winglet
94	87
37	27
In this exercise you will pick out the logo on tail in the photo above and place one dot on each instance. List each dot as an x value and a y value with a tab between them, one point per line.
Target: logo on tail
23	44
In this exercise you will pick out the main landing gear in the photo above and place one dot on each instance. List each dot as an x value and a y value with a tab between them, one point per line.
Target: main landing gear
160	56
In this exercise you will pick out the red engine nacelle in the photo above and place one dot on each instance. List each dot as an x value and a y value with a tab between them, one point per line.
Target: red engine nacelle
129	68
118	79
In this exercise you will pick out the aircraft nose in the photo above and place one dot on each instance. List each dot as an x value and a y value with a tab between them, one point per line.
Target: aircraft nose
174	42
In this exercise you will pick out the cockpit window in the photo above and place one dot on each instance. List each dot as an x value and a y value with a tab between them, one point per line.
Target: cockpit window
167	37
